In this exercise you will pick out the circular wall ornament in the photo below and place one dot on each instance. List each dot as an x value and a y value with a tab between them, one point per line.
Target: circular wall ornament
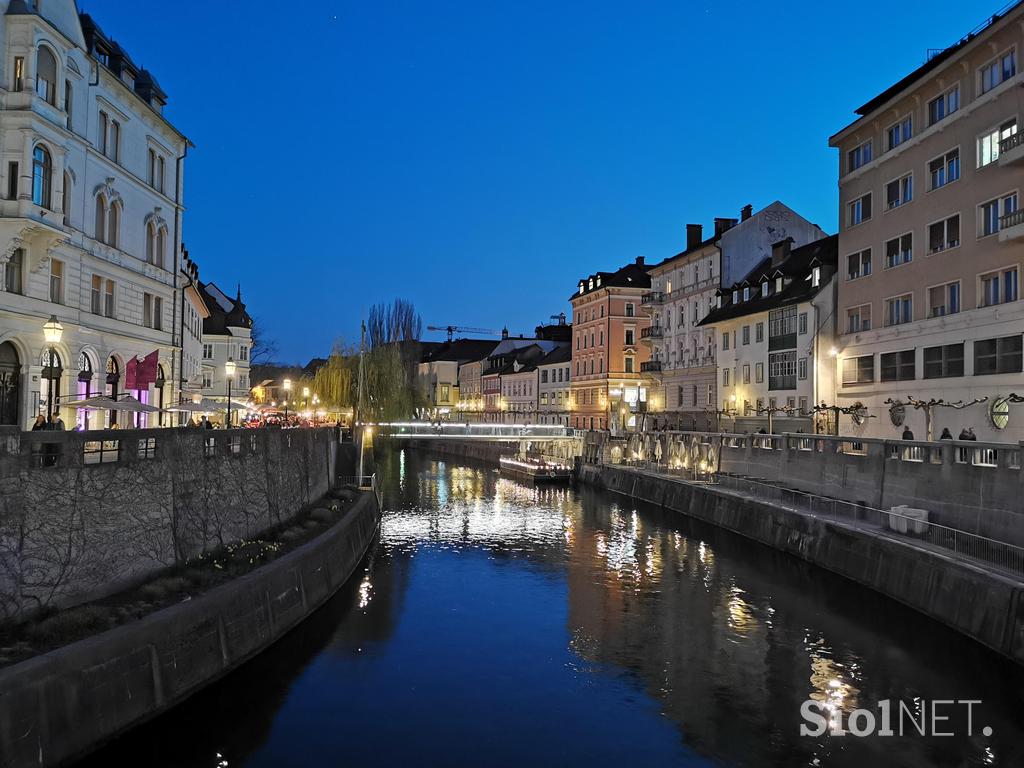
999	412
897	414
859	415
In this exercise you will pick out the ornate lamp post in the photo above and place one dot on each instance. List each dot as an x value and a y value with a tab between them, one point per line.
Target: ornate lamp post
229	373
305	397
52	331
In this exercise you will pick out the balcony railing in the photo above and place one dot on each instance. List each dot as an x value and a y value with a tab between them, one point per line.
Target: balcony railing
651	366
1011	219
653	297
1011	142
652	332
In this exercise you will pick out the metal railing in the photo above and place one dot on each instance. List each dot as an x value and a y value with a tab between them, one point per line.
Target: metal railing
650	366
1012	219
652	332
1011	142
653	297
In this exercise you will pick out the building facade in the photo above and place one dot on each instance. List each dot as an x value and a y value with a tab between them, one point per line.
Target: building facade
438	373
554	380
775	331
609	388
227	336
90	217
931	242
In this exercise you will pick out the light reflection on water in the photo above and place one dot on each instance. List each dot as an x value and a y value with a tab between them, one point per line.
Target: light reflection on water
501	624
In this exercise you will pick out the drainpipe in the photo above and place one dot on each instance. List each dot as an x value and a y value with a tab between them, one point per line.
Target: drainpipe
179	306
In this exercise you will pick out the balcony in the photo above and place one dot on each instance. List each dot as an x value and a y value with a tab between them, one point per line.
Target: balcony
652	332
1011	226
652	298
1011	149
651	366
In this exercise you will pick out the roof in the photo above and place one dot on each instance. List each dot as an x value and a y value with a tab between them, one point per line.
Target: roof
562	354
314	365
633	275
936	61
225	312
460	351
797	266
700	246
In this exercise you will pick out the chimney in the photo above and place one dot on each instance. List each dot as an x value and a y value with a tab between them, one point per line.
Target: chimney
780	251
694	235
746	212
721	225
639	261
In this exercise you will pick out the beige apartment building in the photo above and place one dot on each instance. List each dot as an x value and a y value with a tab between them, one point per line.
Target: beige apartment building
609	389
931	243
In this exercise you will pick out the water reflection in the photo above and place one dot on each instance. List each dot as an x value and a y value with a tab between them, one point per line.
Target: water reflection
504	624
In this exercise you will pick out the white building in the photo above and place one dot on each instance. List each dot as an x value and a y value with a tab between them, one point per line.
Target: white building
90	215
519	389
684	289
553	386
193	312
227	335
775	331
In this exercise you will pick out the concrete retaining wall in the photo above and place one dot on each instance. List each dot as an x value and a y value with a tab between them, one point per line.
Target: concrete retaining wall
60	705
477	450
980	603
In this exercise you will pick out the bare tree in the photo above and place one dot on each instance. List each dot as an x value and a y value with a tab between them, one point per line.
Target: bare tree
391	323
263	349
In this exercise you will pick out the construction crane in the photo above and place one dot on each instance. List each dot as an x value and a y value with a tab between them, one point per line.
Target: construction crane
452	329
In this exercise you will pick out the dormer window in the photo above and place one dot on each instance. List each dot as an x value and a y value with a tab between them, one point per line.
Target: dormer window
816	277
591	283
778	284
764	288
735	297
746	293
582	288
598	281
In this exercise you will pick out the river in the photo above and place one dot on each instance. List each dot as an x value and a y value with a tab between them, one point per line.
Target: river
495	624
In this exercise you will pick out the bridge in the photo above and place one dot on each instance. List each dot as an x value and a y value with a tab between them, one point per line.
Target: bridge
512	433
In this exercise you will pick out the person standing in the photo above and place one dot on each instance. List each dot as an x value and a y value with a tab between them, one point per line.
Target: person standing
907	434
946	434
39	423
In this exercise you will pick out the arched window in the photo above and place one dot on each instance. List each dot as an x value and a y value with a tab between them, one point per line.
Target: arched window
161	247
151	243
42	176
113	222
101	218
46	75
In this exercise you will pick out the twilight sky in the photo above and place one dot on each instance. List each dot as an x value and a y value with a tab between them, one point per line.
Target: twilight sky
478	157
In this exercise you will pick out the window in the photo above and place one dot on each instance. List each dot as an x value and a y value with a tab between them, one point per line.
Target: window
207	379
113	224
945	169
944	300
46	75
19	73
725	341
782	370
1001	355
944	234
630	337
859	370
858	319
858	156
746	334
108	299
897	366
711	394
725	377
899	192
115	140
860	210
899	310
104	131
97	294
802	324
630	309
801	368
782	322
12	181
69	102
759	332
990	213
944	362
997	71
544	376
858	264
12	271
629	364
816	277
147	310
746	293
944	105
56	281
101	218
900	132
899	250
998	287
758	373
735	297
42	177
988	144
746	373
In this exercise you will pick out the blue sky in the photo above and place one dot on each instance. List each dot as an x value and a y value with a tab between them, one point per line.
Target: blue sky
478	157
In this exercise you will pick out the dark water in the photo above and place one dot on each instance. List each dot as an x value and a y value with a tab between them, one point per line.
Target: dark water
499	625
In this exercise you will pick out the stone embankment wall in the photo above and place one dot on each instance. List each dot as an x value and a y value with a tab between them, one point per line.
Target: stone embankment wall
475	450
979	602
86	514
60	705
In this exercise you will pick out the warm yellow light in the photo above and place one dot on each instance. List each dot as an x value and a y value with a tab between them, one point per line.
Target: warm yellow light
53	330
287	385
733	398
229	368
305	391
833	352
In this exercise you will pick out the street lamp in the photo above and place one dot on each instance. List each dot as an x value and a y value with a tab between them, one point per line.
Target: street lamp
52	331
316	401
287	393
229	372
305	397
